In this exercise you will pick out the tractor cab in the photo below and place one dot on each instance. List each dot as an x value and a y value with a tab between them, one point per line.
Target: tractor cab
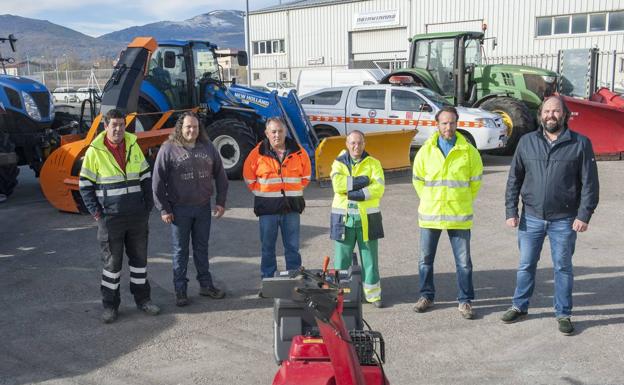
181	70
449	59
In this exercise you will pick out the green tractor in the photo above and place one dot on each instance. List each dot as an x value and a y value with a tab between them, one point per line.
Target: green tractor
450	63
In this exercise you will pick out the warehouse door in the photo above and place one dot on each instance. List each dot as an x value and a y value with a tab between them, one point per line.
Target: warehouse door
385	48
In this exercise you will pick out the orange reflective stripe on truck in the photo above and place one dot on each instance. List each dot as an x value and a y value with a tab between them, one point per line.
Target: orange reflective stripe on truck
387	121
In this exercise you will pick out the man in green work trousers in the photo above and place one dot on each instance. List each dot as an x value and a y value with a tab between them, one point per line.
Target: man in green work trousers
358	183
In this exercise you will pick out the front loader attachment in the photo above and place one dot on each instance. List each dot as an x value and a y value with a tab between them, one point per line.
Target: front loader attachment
391	148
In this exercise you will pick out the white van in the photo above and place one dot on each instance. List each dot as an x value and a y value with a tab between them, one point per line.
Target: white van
311	80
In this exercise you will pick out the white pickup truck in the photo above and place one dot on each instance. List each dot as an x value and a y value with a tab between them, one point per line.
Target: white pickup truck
386	107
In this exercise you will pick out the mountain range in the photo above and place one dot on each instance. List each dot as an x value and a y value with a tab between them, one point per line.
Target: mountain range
43	41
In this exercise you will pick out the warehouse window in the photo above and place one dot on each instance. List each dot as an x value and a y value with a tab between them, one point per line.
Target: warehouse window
616	21
544	26
268	47
597	22
562	25
579	24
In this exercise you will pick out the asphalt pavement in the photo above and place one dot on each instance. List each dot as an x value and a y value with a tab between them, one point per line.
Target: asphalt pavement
50	307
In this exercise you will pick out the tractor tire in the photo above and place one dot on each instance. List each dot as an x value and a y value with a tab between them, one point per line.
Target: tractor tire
8	179
234	140
9	171
516	117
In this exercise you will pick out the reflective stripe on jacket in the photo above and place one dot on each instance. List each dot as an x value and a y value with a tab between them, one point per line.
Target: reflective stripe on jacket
365	193
447	186
277	187
108	189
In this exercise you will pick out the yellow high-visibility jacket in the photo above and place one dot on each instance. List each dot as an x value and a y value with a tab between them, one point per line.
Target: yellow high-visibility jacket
108	189
363	184
447	186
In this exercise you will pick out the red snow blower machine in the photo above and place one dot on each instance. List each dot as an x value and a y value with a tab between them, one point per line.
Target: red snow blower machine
325	348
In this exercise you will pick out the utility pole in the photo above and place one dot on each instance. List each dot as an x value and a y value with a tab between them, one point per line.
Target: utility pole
249	53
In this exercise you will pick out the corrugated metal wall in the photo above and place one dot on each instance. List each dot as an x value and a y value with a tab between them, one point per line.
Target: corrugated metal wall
512	22
324	31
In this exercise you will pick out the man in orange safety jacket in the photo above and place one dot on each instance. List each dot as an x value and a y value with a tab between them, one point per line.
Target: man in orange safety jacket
276	171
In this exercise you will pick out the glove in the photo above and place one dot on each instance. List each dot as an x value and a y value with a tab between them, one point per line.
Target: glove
357	195
360	182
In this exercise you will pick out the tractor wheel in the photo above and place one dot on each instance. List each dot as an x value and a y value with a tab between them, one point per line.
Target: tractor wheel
516	117
234	140
8	172
8	179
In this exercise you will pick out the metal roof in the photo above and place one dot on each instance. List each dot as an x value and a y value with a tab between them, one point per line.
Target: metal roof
301	4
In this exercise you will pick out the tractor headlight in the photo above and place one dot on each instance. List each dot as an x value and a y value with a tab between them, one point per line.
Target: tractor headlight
31	106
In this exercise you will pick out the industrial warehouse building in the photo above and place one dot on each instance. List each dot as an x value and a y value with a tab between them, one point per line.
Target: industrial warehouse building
287	38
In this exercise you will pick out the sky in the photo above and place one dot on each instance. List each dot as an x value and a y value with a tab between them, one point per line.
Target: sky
98	17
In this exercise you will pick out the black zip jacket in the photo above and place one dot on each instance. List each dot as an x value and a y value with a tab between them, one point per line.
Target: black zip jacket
555	182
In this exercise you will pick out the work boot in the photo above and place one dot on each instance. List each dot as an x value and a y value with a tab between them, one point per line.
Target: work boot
211	292
149	308
466	310
565	326
260	295
422	305
109	315
513	315
181	299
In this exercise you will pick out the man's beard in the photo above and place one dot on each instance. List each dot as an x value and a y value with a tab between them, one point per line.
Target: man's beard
552	128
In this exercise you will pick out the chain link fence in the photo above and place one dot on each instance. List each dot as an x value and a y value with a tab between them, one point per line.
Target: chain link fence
95	78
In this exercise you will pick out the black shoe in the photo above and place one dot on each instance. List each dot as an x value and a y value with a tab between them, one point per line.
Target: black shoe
513	315
181	299
378	304
260	295
149	308
565	326
109	315
211	292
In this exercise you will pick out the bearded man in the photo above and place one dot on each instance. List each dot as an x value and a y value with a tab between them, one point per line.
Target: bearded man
554	170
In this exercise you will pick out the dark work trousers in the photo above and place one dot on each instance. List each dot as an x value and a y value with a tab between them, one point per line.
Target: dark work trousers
191	223
116	233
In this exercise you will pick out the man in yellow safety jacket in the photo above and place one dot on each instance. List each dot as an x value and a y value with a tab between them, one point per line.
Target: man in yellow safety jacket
116	187
447	178
358	183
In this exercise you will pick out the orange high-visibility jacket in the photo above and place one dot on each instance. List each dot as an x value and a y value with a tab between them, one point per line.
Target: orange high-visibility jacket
277	187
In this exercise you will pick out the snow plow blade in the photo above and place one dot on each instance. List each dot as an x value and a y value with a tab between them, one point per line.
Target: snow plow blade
391	148
603	124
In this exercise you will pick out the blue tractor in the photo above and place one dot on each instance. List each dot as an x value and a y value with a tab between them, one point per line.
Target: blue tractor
186	74
26	119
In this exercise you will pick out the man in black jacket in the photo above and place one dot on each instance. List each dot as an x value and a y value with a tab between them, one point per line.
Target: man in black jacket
554	170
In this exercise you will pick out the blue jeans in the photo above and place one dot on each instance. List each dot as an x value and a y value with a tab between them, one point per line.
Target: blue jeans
191	222
531	234
460	242
289	226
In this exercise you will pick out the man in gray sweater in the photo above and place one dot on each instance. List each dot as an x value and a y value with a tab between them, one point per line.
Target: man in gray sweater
186	166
